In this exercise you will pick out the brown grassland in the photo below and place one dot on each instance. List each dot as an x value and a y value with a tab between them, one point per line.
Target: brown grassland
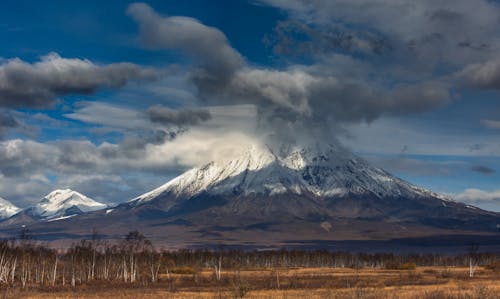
421	283
134	268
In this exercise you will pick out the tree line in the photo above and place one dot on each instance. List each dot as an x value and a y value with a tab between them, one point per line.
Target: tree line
25	262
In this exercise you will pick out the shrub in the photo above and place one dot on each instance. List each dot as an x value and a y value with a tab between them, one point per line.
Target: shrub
240	289
408	266
494	266
392	265
183	270
446	273
430	271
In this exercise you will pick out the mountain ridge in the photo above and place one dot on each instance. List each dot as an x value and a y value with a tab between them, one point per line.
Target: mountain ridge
281	196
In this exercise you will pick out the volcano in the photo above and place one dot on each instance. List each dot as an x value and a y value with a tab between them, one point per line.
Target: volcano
280	196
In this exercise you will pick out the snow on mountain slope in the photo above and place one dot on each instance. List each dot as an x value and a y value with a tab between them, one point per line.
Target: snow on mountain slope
319	170
65	202
7	209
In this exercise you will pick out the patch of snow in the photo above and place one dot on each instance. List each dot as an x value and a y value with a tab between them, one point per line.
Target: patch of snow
60	218
471	207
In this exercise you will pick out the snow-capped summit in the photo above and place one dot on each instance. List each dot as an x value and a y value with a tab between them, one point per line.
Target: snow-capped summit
320	170
7	209
63	203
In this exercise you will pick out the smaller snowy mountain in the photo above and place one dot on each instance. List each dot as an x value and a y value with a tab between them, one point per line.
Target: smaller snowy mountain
7	209
63	203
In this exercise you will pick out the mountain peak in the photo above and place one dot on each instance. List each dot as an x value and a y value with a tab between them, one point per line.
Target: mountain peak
62	202
319	170
62	194
7	209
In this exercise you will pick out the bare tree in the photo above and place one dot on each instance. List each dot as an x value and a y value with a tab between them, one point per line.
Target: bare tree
472	251
134	244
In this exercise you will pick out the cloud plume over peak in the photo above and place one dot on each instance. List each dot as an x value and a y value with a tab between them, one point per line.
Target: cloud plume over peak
298	93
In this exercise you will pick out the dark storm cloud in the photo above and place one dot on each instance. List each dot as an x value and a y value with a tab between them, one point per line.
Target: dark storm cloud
208	45
483	169
359	101
423	36
298	92
166	116
296	38
39	84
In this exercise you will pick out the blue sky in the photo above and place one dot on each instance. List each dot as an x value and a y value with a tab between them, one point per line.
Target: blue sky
102	31
412	87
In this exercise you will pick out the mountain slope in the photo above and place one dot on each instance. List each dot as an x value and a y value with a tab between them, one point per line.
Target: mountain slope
7	209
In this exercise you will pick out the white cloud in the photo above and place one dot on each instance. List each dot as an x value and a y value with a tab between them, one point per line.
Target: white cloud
492	124
489	200
472	195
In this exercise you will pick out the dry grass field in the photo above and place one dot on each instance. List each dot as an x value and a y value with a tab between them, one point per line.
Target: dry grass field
420	283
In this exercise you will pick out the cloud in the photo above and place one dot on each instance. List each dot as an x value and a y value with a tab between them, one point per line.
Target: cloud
207	45
269	88
489	200
472	195
23	192
355	101
110	115
425	28
482	75
424	136
320	97
141	161
412	166
26	85
304	39
166	116
7	121
404	39
492	124
483	169
322	94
